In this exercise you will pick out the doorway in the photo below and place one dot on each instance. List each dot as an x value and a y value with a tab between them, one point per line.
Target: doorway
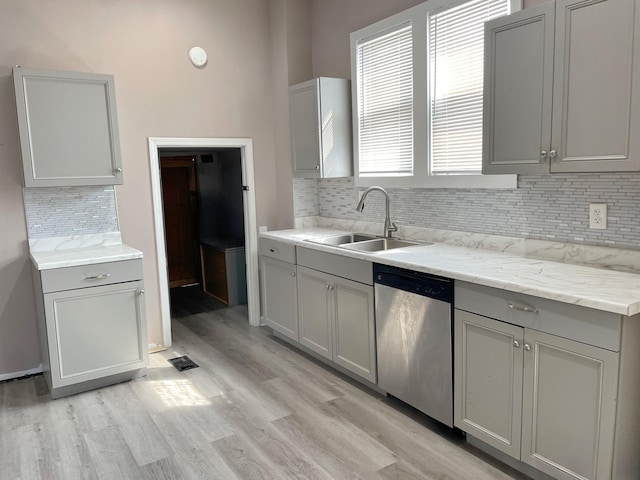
206	238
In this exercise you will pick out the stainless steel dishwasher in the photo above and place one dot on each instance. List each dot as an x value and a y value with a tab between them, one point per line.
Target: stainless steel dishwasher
414	337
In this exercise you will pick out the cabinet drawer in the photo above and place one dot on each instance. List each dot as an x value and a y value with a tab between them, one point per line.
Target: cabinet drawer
582	324
82	276
341	266
277	249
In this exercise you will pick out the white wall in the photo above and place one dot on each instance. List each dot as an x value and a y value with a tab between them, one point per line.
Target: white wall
144	44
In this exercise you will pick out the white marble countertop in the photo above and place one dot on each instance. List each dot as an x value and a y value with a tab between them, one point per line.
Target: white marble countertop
607	290
70	257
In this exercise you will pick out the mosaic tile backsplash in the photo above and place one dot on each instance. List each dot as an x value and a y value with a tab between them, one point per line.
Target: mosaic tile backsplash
65	211
548	207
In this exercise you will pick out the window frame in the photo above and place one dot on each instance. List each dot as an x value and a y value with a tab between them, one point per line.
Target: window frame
418	16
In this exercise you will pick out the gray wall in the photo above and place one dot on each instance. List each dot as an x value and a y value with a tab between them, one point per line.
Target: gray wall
144	44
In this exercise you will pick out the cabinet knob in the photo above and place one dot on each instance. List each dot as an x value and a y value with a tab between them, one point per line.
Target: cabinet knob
330	287
527	347
118	170
516	343
317	167
543	154
293	274
553	154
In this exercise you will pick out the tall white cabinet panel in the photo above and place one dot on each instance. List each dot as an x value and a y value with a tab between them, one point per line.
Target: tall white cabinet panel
314	311
68	128
279	300
320	124
518	91
488	375
354	327
569	407
562	89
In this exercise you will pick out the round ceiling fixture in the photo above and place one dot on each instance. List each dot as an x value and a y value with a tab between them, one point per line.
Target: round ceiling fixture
198	56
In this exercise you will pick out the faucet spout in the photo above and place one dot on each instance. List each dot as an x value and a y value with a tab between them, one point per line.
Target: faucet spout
389	226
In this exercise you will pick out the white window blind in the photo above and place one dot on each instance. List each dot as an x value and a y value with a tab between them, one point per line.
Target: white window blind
384	65
456	54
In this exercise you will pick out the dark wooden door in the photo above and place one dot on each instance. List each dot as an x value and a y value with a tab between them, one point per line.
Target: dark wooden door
179	190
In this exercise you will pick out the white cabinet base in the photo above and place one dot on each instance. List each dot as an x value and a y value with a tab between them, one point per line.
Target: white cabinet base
93	384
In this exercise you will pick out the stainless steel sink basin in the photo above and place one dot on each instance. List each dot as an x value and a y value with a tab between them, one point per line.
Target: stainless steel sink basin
380	244
342	239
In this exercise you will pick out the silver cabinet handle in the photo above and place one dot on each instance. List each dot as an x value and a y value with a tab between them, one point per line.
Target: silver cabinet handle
118	170
527	347
522	308
274	250
516	343
330	287
543	154
326	287
317	167
553	154
293	274
141	292
102	276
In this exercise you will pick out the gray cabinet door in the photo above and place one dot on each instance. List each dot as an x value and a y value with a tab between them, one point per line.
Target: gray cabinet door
569	406
95	332
320	124
596	107
304	108
488	380
314	311
354	336
279	299
68	128
518	91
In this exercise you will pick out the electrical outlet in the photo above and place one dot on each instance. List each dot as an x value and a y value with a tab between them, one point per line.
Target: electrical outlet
598	216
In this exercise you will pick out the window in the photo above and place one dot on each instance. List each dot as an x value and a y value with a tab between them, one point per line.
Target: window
417	81
385	103
456	54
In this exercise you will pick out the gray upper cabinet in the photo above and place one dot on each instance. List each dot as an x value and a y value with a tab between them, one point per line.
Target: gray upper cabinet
320	122
562	87
68	128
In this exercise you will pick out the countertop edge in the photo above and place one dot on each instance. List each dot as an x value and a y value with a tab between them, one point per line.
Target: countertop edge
299	237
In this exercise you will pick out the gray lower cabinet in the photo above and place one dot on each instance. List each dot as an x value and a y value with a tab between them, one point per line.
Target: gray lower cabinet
549	384
91	336
562	88
279	299
545	400
68	128
336	318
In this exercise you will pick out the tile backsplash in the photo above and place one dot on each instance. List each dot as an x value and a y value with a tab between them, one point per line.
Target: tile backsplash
548	207
66	211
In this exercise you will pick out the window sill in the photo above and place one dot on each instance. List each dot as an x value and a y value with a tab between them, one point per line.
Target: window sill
492	182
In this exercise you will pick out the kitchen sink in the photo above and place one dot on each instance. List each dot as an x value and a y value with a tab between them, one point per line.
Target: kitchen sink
380	244
340	240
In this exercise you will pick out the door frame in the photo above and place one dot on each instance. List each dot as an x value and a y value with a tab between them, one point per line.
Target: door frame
250	223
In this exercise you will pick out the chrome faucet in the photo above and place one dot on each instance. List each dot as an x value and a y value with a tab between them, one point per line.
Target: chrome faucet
389	226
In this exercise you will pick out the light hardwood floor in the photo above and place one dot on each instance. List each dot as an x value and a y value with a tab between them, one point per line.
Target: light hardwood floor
254	409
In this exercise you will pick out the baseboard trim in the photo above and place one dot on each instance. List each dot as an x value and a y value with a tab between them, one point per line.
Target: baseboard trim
24	373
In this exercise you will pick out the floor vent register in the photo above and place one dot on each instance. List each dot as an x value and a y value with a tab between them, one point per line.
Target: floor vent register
183	363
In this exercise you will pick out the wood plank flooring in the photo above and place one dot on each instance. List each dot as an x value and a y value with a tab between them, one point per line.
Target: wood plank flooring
256	408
